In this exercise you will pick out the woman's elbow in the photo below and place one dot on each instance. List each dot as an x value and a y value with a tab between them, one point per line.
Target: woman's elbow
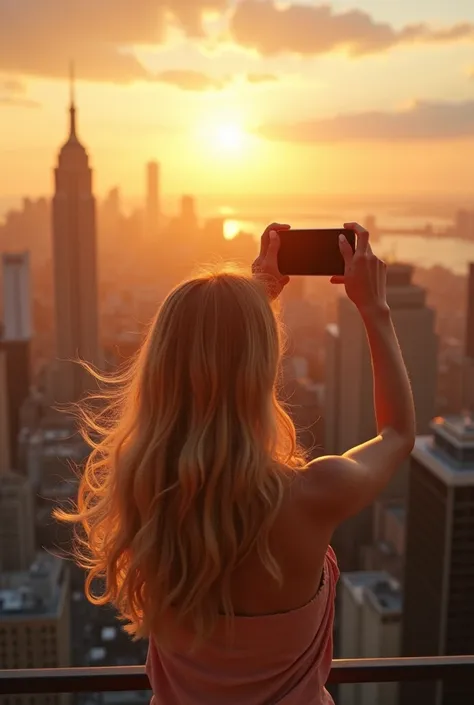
402	441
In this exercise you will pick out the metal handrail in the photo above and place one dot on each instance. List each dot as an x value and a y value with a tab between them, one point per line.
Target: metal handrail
126	678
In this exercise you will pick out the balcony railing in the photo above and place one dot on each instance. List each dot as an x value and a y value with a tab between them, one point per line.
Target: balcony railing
82	680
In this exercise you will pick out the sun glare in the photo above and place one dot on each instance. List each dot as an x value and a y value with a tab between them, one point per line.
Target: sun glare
231	229
230	137
226	138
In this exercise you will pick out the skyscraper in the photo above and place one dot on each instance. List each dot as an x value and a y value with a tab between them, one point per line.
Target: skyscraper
4	422
332	381
152	198
187	217
469	343
370	622
75	265
16	296
468	362
17	540
35	622
439	563
15	341
34	593
349	391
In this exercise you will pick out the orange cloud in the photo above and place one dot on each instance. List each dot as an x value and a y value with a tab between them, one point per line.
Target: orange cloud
12	92
261	77
422	121
271	29
192	80
39	38
198	81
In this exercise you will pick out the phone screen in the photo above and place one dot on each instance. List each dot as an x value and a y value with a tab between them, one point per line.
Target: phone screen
312	252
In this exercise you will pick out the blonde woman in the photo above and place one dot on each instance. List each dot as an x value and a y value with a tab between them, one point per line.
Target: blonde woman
209	529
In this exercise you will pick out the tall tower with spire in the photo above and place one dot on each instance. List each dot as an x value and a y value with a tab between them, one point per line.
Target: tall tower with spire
75	264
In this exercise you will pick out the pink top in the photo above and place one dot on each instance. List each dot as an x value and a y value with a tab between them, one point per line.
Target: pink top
282	658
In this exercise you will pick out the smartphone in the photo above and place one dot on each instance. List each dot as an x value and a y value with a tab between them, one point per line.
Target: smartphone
312	253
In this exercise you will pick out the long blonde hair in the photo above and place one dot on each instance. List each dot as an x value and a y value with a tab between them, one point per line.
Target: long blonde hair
190	450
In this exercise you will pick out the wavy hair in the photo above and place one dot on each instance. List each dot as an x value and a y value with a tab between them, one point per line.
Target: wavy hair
190	452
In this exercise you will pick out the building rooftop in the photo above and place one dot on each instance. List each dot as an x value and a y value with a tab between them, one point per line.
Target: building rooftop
458	428
449	452
383	592
445	468
386	596
37	592
358	581
399	274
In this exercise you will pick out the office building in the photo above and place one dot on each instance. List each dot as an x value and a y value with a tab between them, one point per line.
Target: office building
35	622
439	562
464	224
75	266
305	403
5	462
469	341
331	393
15	341
188	216
414	323
349	389
16	296
17	540
451	394
387	551
468	362
370	624
34	593
152	199
53	451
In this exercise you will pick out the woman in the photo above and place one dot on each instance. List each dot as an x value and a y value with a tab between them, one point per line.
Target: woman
209	529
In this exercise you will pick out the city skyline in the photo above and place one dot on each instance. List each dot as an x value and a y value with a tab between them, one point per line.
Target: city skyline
265	87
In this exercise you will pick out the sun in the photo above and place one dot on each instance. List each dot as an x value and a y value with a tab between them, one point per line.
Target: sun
230	137
225	136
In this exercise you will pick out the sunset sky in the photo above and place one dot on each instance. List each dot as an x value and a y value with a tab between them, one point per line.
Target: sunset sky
242	96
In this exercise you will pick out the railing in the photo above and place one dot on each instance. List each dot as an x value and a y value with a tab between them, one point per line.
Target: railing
81	680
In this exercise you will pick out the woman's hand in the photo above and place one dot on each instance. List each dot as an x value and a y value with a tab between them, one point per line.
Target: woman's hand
265	266
365	276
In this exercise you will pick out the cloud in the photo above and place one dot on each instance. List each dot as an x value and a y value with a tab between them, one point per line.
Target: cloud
18	102
270	28
198	81
261	77
40	38
12	85
12	93
422	121
192	80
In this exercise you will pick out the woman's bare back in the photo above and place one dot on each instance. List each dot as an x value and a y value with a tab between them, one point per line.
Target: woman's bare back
299	545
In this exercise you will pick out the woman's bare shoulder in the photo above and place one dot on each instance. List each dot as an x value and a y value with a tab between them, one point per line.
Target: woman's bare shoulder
319	485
